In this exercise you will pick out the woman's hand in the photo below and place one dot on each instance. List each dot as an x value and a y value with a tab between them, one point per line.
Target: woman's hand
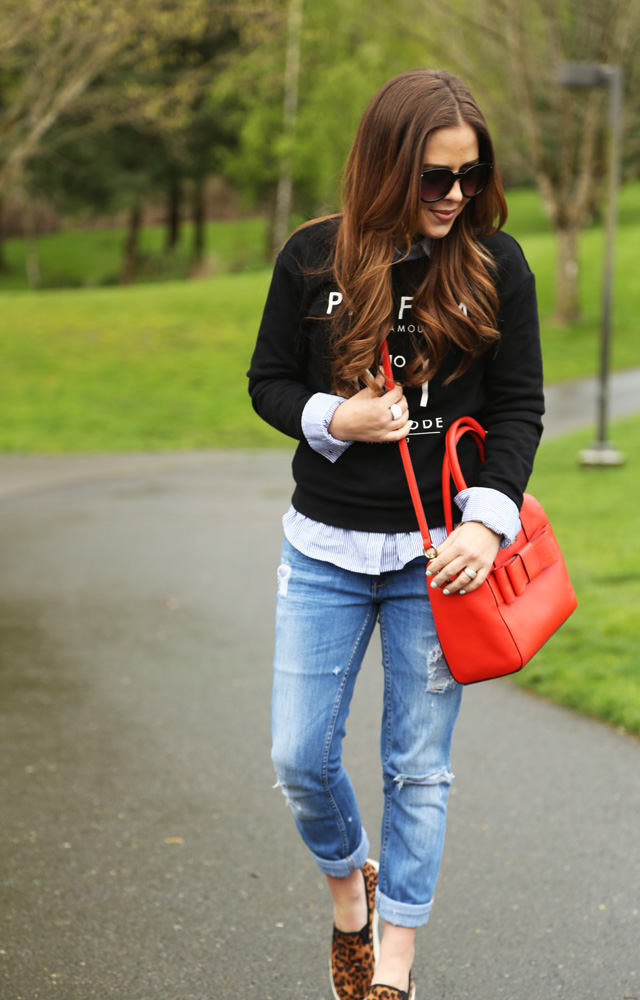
368	417
472	546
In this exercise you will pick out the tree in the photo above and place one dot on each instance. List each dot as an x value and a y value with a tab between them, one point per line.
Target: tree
74	69
348	48
560	133
289	117
55	50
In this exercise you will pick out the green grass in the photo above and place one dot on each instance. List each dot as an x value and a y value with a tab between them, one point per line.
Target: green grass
77	258
162	365
146	367
591	665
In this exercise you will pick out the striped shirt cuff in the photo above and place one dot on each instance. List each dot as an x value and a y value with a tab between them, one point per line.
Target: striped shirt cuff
493	509
316	418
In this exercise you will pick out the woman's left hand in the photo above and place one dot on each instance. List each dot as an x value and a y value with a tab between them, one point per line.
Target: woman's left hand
472	546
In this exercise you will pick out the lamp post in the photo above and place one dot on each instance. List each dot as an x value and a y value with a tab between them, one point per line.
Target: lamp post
580	74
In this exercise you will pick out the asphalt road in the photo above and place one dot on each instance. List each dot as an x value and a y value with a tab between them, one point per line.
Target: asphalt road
145	854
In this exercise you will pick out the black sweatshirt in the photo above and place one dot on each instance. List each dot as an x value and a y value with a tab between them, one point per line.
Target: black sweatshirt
365	489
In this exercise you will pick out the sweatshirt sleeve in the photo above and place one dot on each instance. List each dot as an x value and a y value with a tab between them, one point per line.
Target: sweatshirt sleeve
515	402
277	374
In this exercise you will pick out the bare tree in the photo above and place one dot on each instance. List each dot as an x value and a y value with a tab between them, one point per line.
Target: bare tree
73	67
510	51
54	50
290	110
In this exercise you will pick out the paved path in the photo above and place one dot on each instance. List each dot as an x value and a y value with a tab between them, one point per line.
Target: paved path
145	855
572	405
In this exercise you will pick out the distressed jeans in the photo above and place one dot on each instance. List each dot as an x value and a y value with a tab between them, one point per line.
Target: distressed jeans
324	620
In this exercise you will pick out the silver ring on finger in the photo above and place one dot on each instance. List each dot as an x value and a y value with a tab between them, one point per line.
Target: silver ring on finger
471	573
396	411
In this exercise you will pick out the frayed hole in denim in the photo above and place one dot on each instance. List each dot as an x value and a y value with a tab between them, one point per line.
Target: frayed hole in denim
442	777
439	677
284	572
287	798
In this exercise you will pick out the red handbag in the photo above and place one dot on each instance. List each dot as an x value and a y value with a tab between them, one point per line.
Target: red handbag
494	630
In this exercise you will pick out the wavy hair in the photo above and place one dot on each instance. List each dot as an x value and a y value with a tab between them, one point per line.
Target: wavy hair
379	224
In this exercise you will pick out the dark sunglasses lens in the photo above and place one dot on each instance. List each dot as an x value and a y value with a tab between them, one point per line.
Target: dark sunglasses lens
475	180
435	184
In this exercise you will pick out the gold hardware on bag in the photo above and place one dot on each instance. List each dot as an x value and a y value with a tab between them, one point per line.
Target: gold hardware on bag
431	553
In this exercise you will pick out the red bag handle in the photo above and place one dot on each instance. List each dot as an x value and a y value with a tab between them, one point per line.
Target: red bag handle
429	549
450	467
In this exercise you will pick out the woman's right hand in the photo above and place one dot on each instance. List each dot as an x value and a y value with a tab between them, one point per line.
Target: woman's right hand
367	416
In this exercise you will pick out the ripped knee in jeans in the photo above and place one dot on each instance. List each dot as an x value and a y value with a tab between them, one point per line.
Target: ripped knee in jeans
443	777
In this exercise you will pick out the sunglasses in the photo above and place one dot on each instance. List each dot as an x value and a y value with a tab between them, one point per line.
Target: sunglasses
436	182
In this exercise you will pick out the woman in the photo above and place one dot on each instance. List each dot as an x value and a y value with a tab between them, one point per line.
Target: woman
416	256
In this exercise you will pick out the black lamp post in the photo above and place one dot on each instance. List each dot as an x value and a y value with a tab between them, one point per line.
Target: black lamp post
577	74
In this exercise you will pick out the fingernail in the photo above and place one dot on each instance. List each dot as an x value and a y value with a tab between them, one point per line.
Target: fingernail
445	591
434	585
429	573
462	591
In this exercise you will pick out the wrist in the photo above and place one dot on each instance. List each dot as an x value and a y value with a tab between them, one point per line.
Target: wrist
337	425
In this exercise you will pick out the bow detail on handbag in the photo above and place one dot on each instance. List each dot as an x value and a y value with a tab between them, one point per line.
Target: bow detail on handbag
522	568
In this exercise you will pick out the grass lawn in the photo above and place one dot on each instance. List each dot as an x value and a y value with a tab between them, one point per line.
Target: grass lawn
592	664
161	365
147	367
87	258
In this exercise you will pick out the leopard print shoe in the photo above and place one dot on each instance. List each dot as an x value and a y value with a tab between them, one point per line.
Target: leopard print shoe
353	955
380	992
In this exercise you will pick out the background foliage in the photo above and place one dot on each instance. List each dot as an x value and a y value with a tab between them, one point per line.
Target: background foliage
143	142
117	109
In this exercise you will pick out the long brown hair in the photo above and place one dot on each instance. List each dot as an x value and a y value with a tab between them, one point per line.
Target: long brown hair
381	207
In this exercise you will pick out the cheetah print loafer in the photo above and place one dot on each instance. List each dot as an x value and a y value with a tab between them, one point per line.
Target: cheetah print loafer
353	955
380	992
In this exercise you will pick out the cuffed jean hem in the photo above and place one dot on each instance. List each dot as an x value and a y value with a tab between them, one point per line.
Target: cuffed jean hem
402	914
344	867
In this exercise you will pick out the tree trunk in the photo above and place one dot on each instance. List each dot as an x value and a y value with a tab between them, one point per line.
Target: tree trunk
567	304
34	276
292	73
3	259
199	219
173	211
130	257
